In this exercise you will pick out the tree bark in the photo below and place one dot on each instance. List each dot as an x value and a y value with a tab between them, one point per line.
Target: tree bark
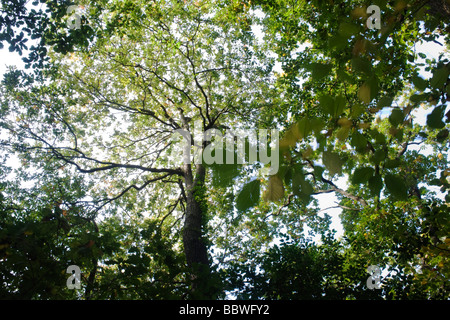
195	248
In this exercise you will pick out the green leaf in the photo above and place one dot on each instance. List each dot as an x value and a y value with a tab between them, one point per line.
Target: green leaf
422	55
306	191
337	42
442	136
359	142
275	189
368	90
344	76
396	117
318	171
372	82
375	184
339	105
342	133
316	125
357	110
417	98
327	104
379	137
223	174
319	70
419	82
249	195
332	162
396	186
364	93
384	102
440	77
304	127
362	175
435	182
301	188
287	174
434	119
379	156
362	65
347	29
332	106
297	181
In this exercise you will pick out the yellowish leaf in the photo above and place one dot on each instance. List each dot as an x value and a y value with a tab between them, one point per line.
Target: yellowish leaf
308	151
364	93
275	189
359	12
364	125
344	122
290	138
342	133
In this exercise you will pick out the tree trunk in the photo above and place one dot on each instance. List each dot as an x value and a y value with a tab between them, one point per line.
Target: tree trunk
195	248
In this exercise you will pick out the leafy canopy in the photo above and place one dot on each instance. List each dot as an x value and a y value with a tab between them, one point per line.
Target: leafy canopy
94	138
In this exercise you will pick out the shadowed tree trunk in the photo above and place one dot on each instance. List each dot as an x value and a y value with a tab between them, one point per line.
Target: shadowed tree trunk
195	247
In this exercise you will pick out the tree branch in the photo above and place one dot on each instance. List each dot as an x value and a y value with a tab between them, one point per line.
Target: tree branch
109	200
344	193
106	165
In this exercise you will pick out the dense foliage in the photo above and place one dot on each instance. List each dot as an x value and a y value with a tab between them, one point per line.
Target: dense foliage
88	175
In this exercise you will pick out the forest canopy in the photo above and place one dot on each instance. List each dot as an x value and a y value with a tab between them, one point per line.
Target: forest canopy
178	149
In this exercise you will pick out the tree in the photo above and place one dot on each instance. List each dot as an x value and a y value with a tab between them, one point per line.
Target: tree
163	68
345	102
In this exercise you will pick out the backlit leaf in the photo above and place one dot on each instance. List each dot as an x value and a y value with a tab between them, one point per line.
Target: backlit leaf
362	65
419	82
440	77
275	189
347	29
332	162
396	186
396	117
224	174
434	119
359	142
384	102
339	105
319	70
342	133
249	195
375	184
304	127
301	187
362	175
379	156
364	93
327	104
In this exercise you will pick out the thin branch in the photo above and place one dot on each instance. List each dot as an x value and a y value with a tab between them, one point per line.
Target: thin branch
286	204
121	107
109	200
170	85
338	206
106	165
345	193
199	86
171	210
